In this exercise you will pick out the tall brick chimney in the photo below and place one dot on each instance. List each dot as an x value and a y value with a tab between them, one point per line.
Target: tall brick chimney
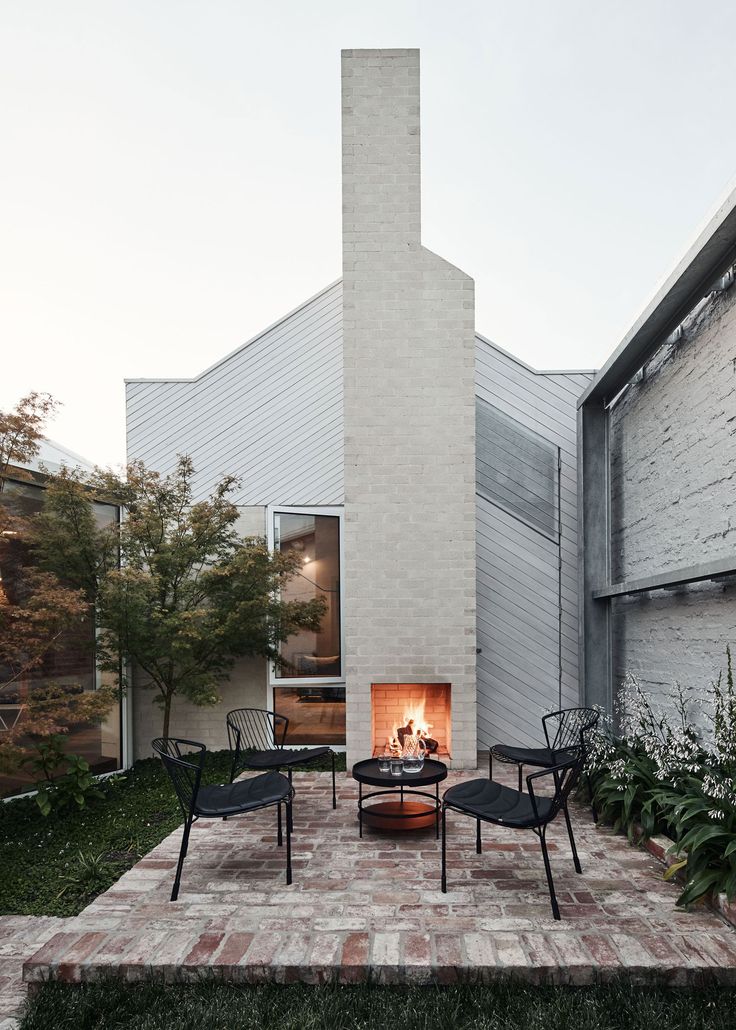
409	346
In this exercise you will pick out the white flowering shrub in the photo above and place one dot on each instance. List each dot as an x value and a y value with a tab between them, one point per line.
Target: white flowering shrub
672	768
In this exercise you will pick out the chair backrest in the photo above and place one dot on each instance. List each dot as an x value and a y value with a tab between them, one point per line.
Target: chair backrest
563	776
568	729
255	729
183	762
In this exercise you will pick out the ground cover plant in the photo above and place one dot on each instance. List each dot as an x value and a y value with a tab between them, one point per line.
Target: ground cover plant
505	1006
56	864
671	769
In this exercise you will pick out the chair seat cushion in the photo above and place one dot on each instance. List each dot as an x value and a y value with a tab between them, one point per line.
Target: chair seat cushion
242	796
540	757
279	757
486	799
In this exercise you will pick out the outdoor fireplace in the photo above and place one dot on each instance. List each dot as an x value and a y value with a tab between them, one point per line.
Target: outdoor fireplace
421	708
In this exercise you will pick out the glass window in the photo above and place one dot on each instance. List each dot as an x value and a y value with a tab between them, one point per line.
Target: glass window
316	714
71	663
316	538
516	469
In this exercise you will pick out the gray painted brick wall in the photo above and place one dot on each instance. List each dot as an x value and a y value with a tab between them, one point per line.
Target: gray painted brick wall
673	503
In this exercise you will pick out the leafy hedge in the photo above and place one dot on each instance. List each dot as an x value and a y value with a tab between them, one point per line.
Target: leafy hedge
673	771
56	864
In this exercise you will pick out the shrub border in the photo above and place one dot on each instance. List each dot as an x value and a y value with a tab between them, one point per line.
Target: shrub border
661	848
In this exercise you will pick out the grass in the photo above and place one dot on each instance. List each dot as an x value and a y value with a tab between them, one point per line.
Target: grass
115	1006
55	865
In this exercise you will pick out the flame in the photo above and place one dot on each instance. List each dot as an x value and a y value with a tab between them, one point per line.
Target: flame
414	714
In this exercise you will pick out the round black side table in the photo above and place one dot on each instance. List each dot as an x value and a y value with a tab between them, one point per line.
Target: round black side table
399	814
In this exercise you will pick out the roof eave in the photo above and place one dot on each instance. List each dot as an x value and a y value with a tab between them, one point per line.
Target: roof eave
708	258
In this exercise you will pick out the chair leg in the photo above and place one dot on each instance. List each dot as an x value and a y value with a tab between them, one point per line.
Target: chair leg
477	837
289	823
182	856
521	767
334	795
575	858
548	871
490	764
288	841
443	880
279	837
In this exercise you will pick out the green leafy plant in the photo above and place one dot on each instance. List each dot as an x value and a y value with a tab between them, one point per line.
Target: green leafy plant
76	786
622	793
88	877
139	811
674	771
174	587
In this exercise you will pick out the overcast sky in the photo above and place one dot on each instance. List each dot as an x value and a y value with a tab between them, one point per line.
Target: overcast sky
170	174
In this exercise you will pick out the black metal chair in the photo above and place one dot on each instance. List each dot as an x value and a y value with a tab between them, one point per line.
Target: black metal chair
490	802
183	760
257	738
565	731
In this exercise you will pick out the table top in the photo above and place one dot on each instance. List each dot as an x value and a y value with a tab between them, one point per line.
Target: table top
368	772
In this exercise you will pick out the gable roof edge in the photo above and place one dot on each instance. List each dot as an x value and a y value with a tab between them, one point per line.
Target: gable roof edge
242	346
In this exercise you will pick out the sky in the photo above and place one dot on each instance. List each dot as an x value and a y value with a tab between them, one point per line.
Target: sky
170	174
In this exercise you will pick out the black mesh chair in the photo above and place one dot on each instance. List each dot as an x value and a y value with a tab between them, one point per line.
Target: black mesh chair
257	738
183	760
489	802
565	732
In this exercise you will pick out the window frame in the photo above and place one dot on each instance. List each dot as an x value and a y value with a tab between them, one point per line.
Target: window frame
22	478
337	512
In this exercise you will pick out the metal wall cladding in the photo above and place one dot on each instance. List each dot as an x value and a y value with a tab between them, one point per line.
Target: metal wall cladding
270	413
526	545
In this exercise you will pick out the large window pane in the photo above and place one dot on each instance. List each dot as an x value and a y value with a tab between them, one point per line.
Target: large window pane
316	714
70	664
316	538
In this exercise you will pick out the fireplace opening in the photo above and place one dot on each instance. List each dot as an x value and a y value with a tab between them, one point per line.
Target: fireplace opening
419	708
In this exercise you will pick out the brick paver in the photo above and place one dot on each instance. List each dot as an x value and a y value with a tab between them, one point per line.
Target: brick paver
20	937
372	908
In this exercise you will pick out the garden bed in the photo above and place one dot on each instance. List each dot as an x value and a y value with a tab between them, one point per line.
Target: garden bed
661	848
669	771
56	864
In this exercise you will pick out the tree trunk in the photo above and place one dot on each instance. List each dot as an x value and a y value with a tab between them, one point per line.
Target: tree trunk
167	713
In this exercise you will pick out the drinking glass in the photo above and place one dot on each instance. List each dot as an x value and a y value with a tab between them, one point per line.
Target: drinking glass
384	763
397	766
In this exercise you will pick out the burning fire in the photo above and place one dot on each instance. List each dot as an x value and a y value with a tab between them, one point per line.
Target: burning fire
414	722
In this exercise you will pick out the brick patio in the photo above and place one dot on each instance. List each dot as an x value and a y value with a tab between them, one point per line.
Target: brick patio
20	936
372	909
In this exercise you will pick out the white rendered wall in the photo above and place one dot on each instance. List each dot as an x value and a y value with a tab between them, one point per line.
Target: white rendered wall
247	687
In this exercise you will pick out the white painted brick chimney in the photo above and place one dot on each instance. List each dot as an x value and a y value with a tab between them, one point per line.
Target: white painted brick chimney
409	416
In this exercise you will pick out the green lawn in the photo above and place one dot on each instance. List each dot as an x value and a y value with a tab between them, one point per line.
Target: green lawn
55	865
114	1006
